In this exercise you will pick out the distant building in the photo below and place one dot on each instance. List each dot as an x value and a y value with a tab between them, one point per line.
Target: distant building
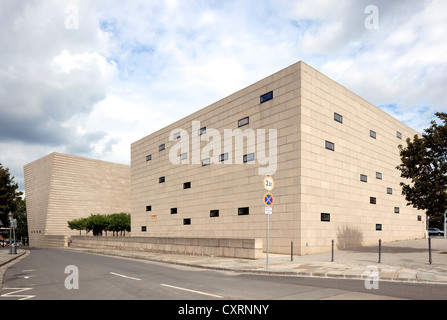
62	187
332	156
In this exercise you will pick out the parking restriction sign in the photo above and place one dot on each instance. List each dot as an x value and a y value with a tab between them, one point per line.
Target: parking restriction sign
268	199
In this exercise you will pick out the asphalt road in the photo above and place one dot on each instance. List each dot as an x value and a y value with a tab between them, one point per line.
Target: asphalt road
51	274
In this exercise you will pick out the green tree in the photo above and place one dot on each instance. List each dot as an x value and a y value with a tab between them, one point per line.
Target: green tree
424	163
22	223
9	196
119	222
97	223
78	224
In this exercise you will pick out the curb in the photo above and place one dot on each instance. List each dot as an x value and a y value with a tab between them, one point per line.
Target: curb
16	256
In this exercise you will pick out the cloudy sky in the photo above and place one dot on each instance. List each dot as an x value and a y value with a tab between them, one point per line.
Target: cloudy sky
88	77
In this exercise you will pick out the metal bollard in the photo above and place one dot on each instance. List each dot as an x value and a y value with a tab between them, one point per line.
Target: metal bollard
291	251
429	249
332	259
380	249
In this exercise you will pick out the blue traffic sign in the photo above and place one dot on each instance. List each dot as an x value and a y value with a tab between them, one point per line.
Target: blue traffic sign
268	199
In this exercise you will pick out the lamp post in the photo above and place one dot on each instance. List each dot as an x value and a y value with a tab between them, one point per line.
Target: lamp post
10	225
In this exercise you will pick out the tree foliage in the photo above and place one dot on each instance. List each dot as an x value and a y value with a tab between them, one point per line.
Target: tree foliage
424	163
116	222
9	196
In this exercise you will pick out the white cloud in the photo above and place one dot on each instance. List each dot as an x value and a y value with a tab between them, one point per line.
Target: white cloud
130	68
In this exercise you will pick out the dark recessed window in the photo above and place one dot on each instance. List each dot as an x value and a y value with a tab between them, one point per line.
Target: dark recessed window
214	213
249	157
363	178
187	185
149	157
161	147
186	221
161	179
326	217
330	146
396	210
266	97
243	211
148	208
379	227
338	117
379	175
223	157
399	135
243	122
206	162
389	190
372	134
183	156
143	228
372	200
202	131
176	135
419	218
173	210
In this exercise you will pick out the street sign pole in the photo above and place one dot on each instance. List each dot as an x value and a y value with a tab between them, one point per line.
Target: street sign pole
267	260
268	202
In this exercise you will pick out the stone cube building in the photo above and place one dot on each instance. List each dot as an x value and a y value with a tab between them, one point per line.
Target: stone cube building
332	156
62	187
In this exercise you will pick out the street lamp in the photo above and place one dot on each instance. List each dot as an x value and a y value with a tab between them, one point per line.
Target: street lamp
10	225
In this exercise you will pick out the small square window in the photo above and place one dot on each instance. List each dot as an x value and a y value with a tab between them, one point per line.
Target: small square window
183	156
243	211
173	210
399	135
338	117
266	97
330	146
372	200
149	157
389	190
148	208
176	135
206	162
326	217
186	221
161	180
396	210
379	175
187	185
378	227
249	157
161	147
214	213
143	228
223	157
372	134
363	178
243	122
202	131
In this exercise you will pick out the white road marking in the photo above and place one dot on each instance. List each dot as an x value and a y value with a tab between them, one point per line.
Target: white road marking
194	291
127	277
13	295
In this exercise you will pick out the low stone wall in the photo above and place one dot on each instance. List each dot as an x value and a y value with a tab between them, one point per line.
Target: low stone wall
48	241
234	248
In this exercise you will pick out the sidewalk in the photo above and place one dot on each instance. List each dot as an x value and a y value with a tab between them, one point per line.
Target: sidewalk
400	261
